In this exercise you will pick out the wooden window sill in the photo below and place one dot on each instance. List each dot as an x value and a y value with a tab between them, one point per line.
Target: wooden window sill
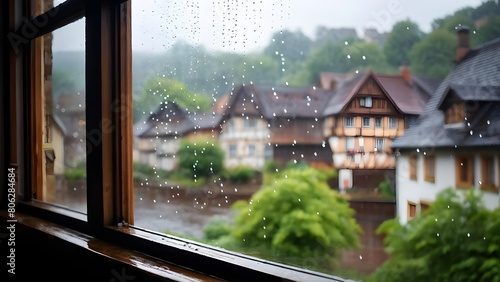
489	188
465	186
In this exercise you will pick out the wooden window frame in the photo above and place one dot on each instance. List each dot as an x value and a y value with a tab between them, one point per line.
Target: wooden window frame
109	163
346	123
395	122
380	125
469	182
427	162
409	206
363	122
488	186
413	166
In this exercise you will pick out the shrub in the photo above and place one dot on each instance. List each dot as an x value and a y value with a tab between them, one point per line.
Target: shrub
73	174
216	228
241	174
386	189
298	216
200	157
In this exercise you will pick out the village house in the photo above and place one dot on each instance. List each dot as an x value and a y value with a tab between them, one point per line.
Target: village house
274	123
456	140
365	113
158	136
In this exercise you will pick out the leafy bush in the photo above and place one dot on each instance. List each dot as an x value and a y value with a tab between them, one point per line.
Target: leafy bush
144	171
386	189
298	216
216	228
73	174
457	239
200	157
241	174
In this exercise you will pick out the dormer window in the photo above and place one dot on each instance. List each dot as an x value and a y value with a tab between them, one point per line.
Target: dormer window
455	113
366	102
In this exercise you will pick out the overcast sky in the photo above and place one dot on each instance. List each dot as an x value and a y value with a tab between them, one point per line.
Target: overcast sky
248	25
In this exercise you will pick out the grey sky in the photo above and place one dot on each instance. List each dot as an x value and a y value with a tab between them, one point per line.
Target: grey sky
247	25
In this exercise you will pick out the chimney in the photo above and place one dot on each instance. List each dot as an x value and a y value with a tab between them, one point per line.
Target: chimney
405	72
463	43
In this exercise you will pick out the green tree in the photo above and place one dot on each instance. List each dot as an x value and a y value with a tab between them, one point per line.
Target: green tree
298	216
456	239
452	22
289	45
433	56
200	158
401	39
159	89
489	31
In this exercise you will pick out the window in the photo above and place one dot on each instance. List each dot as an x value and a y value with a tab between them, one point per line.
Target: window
411	209
424	206
366	122
249	123
413	166
429	168
393	122
365	102
349	122
251	149
233	150
379	145
464	170
455	113
378	122
488	174
230	126
349	144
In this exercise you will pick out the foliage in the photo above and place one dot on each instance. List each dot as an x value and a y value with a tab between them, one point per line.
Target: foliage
298	216
457	239
401	39
73	174
200	157
241	174
489	31
289	46
385	189
216	228
433	56
159	89
144	172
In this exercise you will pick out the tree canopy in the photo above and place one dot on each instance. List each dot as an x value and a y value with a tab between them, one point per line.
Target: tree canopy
401	39
456	239
298	215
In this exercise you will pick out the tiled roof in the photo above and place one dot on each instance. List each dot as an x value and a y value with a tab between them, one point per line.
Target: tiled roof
171	120
476	78
406	97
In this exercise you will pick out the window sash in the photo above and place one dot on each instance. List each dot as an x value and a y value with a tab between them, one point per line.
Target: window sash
366	122
349	122
392	122
429	168
464	170
378	122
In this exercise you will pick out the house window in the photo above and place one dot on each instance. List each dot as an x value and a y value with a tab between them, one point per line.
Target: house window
349	144
464	171
268	152
365	102
455	113
379	145
349	122
366	122
249	122
488	174
230	126
411	209
378	122
232	150
413	163
392	122
429	168
251	150
424	206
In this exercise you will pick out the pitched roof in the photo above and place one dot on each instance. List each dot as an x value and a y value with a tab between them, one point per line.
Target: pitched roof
407	98
171	120
279	101
476	78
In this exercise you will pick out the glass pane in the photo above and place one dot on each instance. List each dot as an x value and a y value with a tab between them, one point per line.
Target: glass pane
246	123
64	131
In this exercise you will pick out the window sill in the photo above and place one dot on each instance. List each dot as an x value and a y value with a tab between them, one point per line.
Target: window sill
430	179
489	188
465	186
165	254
